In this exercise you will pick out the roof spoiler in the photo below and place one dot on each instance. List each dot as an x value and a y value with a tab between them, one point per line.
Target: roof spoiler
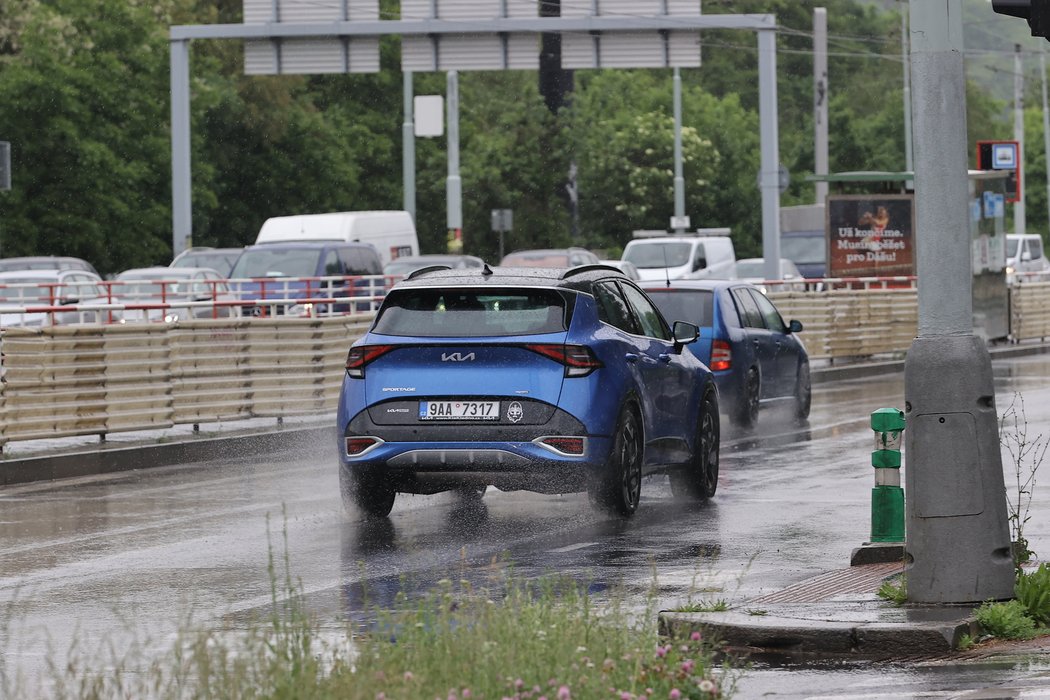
589	267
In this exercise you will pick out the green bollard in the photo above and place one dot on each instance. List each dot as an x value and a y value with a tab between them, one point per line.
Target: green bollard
887	497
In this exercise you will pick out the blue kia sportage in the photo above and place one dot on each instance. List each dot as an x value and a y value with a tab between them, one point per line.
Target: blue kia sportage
549	380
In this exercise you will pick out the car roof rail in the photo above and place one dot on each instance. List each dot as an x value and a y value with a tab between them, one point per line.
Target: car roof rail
589	267
425	270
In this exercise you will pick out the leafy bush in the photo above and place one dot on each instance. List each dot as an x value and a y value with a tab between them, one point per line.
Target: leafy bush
1033	591
1007	620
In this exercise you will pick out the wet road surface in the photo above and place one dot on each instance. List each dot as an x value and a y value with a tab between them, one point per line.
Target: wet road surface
112	561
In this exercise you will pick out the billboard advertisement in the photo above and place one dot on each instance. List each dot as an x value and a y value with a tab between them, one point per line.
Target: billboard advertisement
870	235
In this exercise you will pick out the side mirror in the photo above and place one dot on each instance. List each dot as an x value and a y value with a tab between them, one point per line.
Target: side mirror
684	333
794	326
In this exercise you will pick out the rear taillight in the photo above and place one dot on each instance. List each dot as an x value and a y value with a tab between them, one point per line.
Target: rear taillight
356	446
571	446
721	356
579	360
361	355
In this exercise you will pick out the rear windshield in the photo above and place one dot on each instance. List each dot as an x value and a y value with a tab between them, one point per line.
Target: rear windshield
803	249
465	313
654	255
692	305
220	262
278	262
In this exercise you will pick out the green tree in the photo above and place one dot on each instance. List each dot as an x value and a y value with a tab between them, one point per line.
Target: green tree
78	105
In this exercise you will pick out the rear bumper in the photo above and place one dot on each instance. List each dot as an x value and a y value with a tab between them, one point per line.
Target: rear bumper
432	458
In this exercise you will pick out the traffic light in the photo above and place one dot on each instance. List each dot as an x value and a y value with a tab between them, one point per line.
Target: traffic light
1037	12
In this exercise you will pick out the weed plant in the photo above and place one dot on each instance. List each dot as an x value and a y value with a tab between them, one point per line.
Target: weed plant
1008	620
1026	453
894	591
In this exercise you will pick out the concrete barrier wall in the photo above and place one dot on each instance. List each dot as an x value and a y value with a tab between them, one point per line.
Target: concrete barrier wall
98	379
1030	311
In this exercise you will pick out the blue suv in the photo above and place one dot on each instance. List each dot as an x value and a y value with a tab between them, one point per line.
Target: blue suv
548	380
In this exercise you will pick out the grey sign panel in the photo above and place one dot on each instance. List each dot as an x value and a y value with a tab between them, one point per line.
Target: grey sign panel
515	51
642	49
306	55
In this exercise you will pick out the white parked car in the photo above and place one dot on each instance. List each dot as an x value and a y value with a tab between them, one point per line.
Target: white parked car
55	288
175	285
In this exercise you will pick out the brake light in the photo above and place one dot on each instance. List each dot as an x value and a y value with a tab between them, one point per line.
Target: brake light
356	446
721	356
361	355
572	446
579	360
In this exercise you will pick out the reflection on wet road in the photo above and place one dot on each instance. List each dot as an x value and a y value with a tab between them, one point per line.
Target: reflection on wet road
127	557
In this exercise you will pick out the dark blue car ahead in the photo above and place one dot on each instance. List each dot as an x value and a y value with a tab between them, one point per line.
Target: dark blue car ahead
758	359
548	380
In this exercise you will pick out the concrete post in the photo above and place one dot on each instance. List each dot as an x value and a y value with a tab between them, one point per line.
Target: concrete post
408	147
820	100
181	186
454	187
679	180
958	539
769	181
1020	224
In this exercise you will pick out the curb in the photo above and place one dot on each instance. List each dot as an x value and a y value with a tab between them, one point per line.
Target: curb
105	460
782	633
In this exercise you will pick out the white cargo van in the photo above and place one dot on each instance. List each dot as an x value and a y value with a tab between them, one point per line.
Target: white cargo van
659	255
391	232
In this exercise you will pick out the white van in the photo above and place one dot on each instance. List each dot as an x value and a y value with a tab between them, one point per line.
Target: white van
659	255
1024	254
391	232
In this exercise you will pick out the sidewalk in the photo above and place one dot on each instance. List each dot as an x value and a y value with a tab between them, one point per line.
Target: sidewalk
834	614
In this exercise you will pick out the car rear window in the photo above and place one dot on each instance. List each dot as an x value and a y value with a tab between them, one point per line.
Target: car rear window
465	313
692	305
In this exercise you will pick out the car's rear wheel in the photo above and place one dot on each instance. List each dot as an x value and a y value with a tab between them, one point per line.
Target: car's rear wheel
803	393
698	480
619	488
747	413
367	492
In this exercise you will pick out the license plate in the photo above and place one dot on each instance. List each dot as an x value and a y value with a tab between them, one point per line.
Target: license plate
459	410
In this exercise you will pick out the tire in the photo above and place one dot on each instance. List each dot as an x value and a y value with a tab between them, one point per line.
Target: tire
367	493
747	412
619	488
698	480
803	393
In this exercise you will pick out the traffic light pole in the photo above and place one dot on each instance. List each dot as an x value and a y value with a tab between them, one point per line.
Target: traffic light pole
958	542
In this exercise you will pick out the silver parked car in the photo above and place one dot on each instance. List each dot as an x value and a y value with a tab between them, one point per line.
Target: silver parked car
55	288
188	286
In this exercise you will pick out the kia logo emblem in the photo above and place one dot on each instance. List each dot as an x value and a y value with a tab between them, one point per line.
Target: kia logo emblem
457	357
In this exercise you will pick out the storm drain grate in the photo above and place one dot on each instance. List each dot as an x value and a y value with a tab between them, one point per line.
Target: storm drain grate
857	579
